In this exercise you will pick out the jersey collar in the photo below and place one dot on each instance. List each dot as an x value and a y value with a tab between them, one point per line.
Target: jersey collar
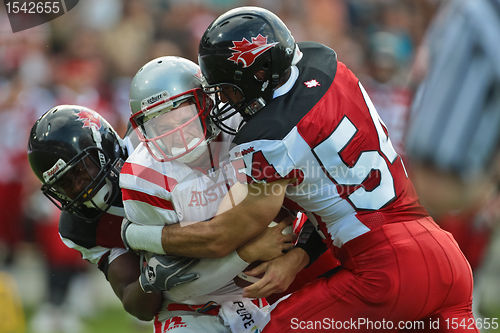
297	56
288	84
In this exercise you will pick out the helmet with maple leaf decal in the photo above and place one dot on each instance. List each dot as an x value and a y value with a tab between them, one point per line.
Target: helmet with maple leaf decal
244	55
77	156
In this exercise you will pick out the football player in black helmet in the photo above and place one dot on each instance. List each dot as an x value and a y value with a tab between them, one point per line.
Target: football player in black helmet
245	54
77	156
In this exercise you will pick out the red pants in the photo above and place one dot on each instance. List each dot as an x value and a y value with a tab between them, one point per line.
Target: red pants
402	276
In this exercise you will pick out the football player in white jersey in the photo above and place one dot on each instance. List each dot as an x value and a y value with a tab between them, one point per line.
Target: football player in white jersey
178	173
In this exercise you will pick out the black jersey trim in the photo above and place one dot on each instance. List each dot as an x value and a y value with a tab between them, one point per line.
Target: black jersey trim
280	116
80	231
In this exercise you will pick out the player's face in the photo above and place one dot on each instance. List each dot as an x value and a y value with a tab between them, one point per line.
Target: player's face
230	94
77	179
179	127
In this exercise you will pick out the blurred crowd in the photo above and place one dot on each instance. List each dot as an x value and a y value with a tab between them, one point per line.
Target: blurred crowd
89	55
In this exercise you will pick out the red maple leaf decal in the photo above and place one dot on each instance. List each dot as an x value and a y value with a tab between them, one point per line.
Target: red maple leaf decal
312	83
89	119
246	52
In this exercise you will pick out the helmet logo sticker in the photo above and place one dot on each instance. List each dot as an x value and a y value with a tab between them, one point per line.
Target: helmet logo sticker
59	165
155	99
89	119
246	52
312	83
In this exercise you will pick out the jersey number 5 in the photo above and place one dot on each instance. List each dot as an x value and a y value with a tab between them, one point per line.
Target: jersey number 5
344	174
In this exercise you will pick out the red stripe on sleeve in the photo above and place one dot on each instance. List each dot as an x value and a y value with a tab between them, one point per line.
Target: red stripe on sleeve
149	174
146	198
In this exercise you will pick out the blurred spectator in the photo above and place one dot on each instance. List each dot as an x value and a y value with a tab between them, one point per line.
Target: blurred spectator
18	109
125	44
386	85
454	129
79	81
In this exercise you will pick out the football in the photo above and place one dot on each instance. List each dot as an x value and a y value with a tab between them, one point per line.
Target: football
242	280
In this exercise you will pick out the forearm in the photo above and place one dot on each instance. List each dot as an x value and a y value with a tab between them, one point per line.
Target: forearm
139	304
218	237
298	256
123	274
214	239
199	240
194	240
231	229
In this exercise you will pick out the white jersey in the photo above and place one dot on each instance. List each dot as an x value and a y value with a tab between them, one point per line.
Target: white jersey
158	193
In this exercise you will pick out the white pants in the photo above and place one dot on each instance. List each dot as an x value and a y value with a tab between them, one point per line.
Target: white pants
237	316
190	322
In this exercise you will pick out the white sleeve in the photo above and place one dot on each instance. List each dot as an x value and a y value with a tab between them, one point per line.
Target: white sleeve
115	253
93	255
214	273
263	161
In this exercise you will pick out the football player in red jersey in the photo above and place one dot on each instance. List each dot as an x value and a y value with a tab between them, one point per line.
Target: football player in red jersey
312	140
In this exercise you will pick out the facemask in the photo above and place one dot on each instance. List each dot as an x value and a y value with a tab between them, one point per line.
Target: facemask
99	200
193	155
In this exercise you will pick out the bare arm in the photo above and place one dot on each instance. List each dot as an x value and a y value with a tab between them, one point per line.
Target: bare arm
123	274
231	229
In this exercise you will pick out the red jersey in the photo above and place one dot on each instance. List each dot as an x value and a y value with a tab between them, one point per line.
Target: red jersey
326	133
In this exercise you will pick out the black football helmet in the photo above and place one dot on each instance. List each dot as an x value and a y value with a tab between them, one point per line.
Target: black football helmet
244	54
78	156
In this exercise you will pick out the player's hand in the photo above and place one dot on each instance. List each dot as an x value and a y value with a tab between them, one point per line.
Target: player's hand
162	272
273	242
279	274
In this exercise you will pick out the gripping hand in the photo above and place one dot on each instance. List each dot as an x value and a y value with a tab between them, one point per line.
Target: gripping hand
163	272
